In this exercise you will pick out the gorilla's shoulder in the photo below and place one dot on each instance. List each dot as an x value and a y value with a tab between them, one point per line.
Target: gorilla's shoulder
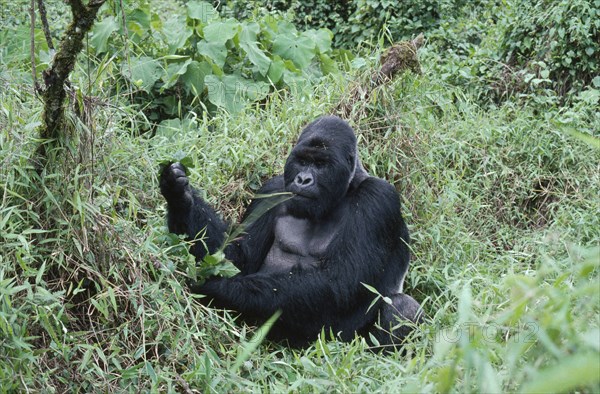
378	196
377	186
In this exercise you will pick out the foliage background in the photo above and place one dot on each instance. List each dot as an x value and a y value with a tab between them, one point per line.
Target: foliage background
494	148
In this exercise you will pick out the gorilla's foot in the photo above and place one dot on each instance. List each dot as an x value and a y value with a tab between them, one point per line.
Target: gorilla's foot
396	321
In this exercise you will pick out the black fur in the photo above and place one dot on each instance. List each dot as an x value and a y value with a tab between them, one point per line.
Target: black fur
310	256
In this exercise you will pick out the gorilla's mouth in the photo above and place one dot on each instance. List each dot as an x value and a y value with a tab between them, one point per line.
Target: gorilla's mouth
298	193
303	196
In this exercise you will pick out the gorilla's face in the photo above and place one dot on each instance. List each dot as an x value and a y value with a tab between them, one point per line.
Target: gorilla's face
320	168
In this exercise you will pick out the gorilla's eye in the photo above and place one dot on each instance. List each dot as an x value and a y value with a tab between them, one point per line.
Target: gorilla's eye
320	163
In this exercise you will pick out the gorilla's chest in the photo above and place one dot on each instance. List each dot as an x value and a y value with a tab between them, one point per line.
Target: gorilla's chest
298	241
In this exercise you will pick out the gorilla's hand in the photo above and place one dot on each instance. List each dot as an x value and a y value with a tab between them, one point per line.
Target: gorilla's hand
175	185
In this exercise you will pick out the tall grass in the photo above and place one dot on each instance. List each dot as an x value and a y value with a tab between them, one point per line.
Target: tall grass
502	205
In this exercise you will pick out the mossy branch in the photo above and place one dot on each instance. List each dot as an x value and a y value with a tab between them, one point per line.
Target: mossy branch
45	26
55	77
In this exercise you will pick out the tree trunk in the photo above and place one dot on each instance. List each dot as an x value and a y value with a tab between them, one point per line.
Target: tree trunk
55	77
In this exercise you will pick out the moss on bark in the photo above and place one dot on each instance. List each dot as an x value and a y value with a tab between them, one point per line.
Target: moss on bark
54	93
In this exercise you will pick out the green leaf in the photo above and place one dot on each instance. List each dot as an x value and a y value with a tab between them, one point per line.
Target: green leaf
286	28
187	161
214	51
276	69
233	92
300	50
168	128
140	16
328	65
138	22
193	79
202	11
221	32
145	71
374	291
268	202
358	62
248	42
179	156
569	373
101	33
588	139
38	277
176	33
589	96
251	345
370	288
297	83
173	129
222	93
322	38
151	373
173	72
465	301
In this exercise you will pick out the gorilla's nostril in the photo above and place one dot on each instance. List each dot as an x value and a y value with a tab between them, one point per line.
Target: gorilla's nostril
304	179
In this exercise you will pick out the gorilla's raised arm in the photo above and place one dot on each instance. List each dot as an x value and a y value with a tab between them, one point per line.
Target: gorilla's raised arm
188	214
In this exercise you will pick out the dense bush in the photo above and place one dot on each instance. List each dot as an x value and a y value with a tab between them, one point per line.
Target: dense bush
403	19
501	200
539	51
306	14
554	41
356	21
499	49
195	60
501	205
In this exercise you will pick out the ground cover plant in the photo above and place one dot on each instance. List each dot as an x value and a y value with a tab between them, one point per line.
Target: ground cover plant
501	197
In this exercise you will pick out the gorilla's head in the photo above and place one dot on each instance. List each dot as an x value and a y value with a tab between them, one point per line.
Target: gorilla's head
321	167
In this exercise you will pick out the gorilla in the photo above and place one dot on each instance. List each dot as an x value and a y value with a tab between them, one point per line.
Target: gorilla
317	256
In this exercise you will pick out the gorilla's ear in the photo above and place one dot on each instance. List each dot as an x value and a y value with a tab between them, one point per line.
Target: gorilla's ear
351	159
359	174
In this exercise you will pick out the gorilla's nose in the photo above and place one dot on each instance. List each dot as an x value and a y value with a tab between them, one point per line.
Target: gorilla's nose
304	179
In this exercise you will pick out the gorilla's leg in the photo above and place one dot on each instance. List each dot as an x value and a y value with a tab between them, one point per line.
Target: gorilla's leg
396	321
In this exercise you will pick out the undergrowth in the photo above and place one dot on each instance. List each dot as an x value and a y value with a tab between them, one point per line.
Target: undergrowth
502	204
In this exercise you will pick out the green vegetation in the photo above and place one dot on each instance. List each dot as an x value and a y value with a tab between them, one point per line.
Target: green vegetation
500	189
193	59
532	49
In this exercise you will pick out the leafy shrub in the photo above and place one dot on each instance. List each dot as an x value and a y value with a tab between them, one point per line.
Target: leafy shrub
554	41
403	19
540	51
356	21
306	14
200	60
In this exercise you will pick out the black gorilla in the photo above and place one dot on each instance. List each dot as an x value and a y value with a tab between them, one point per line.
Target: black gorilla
311	255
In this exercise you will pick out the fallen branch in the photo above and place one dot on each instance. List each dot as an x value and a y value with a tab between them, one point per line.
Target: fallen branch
400	57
